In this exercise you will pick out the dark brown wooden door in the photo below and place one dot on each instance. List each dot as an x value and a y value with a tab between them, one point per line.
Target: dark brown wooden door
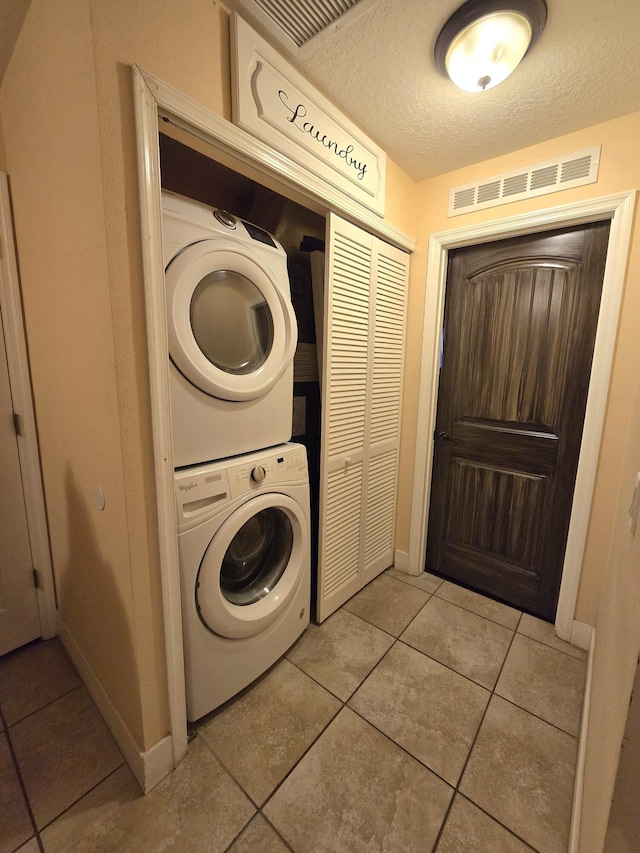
519	331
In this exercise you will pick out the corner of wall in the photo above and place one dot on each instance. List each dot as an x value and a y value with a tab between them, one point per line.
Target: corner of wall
148	767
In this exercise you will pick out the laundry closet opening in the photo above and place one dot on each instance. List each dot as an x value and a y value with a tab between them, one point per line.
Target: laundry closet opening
188	171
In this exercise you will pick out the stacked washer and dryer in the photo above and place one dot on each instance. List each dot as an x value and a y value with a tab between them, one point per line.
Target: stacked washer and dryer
242	490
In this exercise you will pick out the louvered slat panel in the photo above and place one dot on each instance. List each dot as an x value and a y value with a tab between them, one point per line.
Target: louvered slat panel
347	367
380	507
388	345
342	542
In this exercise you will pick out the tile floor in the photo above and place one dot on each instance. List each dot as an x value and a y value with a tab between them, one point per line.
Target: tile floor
419	717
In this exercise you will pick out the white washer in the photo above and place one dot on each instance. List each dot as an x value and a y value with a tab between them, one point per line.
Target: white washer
232	333
244	545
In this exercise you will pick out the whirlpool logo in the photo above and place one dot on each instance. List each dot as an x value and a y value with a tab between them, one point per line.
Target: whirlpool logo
186	487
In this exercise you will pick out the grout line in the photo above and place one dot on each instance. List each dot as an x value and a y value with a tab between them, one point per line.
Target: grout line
554	648
88	791
457	791
492	694
21	782
48	704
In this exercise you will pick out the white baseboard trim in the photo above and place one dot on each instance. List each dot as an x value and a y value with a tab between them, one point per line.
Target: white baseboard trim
148	767
401	563
576	813
581	635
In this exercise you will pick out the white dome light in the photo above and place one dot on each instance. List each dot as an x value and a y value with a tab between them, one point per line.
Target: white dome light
483	42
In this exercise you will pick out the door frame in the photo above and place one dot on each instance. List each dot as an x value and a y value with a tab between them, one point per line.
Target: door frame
620	209
21	393
155	100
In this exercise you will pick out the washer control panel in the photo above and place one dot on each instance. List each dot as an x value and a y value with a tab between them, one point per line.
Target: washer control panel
204	490
285	465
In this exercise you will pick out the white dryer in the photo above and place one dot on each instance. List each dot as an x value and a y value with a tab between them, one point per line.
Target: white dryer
243	536
232	333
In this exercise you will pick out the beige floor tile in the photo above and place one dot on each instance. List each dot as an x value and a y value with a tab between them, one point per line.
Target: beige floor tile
470	644
63	750
261	734
470	830
34	676
426	581
521	772
388	604
480	604
196	808
259	837
341	652
15	823
428	709
545	633
544	681
355	790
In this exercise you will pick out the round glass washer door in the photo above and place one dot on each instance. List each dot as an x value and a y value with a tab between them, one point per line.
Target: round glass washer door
253	566
232	331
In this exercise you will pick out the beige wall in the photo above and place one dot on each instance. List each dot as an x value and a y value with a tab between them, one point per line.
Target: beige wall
70	151
619	170
616	652
66	105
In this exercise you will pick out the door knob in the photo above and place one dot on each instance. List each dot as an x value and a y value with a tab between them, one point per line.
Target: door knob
444	436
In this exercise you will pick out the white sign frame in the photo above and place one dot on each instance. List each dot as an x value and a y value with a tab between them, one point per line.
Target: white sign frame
271	100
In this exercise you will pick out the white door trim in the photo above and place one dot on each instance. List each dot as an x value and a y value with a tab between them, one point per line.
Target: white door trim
235	146
619	208
19	377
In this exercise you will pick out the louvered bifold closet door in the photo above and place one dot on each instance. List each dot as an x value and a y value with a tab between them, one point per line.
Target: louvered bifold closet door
361	383
382	439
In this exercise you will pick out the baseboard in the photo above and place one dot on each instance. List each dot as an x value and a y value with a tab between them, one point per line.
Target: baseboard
576	813
581	635
401	563
148	767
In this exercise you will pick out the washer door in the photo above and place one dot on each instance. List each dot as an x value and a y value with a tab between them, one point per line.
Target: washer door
232	332
253	566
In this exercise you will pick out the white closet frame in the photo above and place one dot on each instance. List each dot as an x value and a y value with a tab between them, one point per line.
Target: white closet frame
237	149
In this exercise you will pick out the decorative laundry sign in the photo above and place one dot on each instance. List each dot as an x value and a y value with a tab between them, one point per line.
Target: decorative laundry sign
275	103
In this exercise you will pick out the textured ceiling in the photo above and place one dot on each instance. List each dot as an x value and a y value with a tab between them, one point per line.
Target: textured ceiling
379	70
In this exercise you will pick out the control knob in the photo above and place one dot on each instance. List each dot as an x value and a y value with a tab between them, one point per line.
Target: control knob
258	474
226	219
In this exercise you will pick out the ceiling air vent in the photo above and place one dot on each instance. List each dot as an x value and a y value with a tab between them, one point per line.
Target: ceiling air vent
573	170
301	20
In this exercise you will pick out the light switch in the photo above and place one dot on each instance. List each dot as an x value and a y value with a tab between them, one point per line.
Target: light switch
635	506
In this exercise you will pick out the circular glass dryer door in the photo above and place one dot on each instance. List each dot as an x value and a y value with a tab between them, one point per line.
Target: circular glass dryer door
253	566
232	329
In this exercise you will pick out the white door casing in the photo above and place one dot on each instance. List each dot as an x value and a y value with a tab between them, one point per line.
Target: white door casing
25	612
620	207
19	618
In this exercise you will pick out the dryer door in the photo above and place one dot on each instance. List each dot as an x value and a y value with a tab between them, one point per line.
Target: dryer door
232	329
253	566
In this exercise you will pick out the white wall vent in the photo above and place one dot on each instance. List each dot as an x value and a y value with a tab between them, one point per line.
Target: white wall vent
572	170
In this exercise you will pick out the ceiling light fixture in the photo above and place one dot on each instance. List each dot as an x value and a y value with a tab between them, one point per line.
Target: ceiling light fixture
485	40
